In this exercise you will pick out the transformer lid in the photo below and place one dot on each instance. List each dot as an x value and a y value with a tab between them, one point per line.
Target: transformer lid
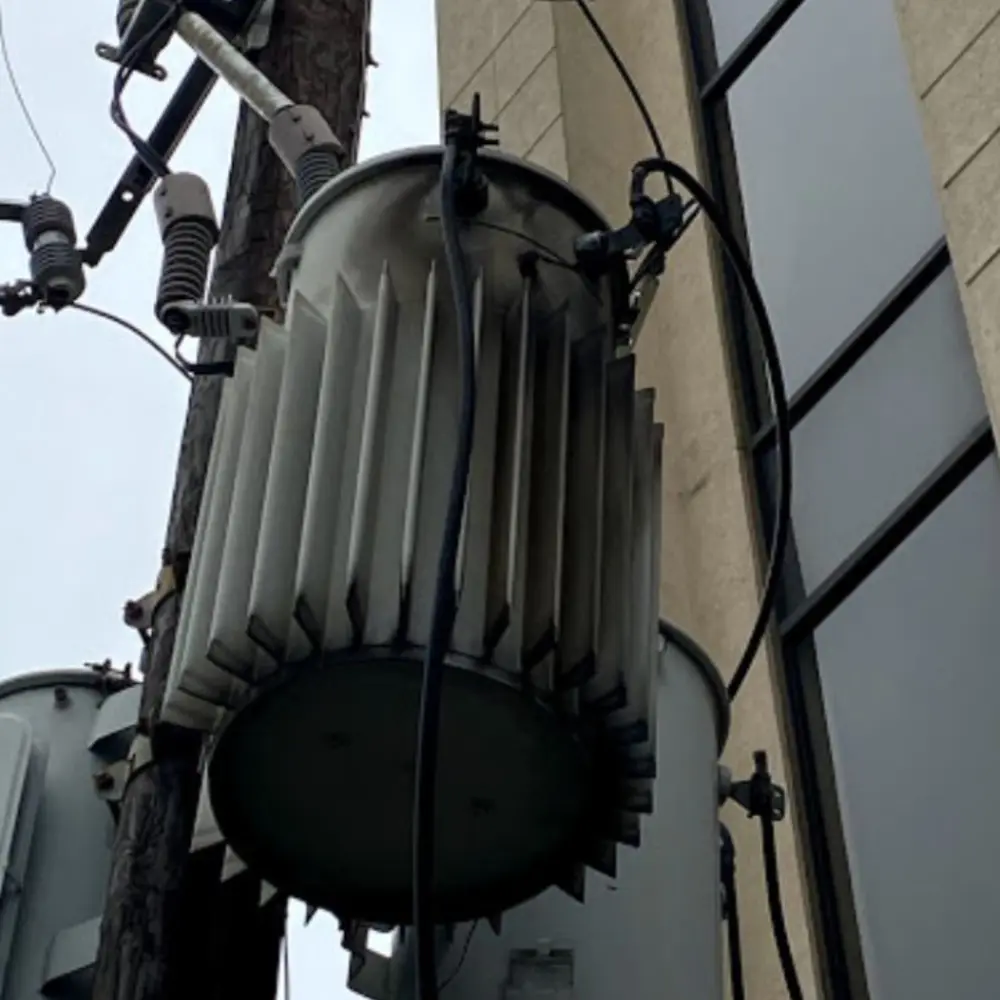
551	187
547	187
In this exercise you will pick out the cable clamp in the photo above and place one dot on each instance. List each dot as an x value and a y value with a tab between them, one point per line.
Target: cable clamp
759	795
468	134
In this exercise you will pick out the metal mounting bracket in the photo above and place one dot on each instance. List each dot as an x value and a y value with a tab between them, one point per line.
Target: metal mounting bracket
235	19
237	322
758	794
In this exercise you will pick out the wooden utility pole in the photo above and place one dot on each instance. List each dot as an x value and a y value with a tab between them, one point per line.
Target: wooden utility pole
170	930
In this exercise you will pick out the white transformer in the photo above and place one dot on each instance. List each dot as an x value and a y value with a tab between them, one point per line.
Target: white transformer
312	581
62	733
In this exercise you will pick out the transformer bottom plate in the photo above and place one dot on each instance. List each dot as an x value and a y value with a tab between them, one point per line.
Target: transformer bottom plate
312	784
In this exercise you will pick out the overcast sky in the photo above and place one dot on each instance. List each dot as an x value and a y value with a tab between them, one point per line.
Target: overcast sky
90	418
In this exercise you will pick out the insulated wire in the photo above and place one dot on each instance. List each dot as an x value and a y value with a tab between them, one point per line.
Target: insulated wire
623	72
737	990
429	723
23	104
126	325
775	907
156	164
779	400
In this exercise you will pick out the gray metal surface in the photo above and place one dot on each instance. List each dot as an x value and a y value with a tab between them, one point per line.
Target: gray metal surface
216	51
652	932
61	849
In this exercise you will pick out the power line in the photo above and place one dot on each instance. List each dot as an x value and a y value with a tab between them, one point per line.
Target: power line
129	61
779	401
133	329
12	77
637	98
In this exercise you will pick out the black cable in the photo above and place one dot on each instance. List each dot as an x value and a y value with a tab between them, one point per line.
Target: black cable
737	991
23	104
429	724
623	72
129	60
779	401
133	329
547	254
775	907
453	975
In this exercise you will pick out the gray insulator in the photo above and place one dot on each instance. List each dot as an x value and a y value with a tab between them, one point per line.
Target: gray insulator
43	216
187	250
315	168
57	271
50	237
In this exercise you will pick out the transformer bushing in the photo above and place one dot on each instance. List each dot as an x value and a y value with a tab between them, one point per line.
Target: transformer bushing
189	232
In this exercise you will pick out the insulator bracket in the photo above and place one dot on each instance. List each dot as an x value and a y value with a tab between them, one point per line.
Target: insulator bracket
237	322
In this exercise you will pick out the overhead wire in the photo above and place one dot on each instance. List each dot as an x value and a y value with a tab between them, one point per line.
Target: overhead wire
445	597
133	329
779	403
637	98
126	68
23	104
781	530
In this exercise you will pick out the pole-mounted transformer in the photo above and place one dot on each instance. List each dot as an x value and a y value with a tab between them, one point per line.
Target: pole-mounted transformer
311	586
311	598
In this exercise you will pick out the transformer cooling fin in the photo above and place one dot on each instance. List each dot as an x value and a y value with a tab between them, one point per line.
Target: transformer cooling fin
310	595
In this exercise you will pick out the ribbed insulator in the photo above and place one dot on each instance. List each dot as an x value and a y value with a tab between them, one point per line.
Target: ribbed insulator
44	215
57	271
187	251
314	169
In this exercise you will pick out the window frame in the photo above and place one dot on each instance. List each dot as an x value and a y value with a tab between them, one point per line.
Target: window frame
842	970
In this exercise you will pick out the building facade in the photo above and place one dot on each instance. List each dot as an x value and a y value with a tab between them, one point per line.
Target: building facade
855	145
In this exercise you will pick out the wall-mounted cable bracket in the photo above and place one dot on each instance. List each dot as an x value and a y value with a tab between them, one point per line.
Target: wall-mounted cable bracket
759	794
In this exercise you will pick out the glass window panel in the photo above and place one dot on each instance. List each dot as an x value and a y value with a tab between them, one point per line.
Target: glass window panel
836	183
910	679
882	429
733	20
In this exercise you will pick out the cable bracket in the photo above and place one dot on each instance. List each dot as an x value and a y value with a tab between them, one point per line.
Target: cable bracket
237	322
759	794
